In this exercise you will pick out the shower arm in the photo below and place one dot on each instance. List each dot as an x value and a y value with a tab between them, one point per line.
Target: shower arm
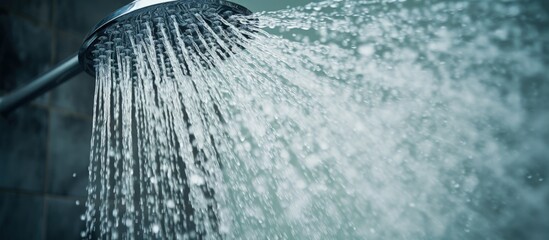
46	82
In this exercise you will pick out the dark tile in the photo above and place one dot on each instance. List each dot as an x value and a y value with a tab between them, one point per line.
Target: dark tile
82	16
63	218
535	93
23	140
69	154
25	53
35	10
75	95
21	216
67	45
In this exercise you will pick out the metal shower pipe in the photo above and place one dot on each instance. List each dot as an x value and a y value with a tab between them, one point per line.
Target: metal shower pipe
58	75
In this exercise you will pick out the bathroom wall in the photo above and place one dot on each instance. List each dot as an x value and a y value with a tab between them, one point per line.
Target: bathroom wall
44	146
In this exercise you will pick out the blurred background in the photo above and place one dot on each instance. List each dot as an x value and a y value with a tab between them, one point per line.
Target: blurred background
44	146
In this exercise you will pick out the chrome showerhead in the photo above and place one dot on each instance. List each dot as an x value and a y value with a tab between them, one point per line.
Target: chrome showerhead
192	17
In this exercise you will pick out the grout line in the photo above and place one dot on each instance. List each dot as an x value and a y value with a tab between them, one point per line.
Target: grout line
47	157
46	171
48	133
46	175
66	113
47	107
40	194
63	111
72	114
39	105
52	22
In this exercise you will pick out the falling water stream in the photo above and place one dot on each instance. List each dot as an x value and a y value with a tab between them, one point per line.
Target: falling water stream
357	119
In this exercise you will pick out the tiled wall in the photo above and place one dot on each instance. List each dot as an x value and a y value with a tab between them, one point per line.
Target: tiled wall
44	146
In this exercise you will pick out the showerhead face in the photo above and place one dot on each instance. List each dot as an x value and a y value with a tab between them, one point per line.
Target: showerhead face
198	24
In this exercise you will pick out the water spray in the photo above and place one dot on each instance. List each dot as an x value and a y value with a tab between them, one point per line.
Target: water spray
367	120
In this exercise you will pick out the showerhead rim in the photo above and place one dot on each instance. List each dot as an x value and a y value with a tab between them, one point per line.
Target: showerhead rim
130	10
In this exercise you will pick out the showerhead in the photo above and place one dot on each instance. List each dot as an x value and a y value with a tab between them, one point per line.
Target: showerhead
192	17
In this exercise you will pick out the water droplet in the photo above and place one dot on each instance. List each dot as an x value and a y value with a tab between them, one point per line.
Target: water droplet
77	202
74	175
312	161
155	228
285	154
170	204
366	50
196	180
